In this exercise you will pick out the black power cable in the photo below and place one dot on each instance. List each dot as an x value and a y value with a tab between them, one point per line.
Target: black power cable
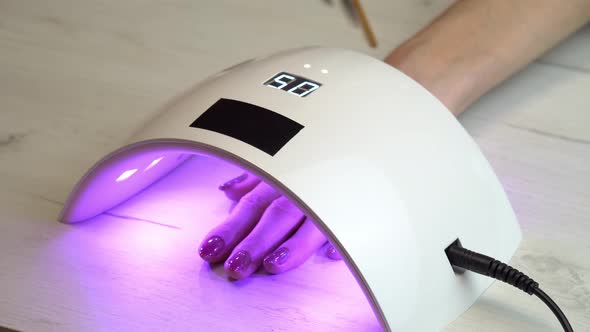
555	308
463	259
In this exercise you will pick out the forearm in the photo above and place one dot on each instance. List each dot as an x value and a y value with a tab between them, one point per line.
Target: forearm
476	44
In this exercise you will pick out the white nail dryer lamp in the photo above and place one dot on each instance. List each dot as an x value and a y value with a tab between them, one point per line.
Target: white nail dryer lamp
373	158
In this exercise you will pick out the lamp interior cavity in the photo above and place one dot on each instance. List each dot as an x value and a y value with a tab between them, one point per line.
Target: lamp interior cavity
161	216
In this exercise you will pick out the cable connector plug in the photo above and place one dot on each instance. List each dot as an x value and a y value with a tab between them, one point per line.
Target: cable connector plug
462	259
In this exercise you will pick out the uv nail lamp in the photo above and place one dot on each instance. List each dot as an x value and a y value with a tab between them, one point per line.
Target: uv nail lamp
386	172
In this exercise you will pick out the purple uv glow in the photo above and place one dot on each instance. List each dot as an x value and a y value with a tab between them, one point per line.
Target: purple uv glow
117	179
153	163
170	217
126	175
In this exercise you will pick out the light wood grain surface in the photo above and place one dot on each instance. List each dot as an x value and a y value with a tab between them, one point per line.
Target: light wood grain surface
77	77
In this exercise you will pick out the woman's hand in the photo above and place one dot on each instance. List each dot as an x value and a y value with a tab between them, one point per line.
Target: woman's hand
264	228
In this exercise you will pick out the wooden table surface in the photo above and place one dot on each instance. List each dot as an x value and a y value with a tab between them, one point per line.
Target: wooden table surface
77	77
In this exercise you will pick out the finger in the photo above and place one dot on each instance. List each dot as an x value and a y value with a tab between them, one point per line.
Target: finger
296	250
332	252
239	186
221	240
279	221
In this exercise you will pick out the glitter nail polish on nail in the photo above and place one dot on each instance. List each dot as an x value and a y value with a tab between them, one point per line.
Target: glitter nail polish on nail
233	181
277	258
213	247
239	262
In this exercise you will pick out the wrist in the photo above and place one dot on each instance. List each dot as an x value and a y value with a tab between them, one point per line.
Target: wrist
437	69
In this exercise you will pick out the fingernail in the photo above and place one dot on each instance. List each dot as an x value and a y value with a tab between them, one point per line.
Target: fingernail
277	258
212	247
239	262
332	253
233	181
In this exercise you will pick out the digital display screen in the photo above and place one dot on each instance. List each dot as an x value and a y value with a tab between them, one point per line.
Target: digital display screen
293	84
